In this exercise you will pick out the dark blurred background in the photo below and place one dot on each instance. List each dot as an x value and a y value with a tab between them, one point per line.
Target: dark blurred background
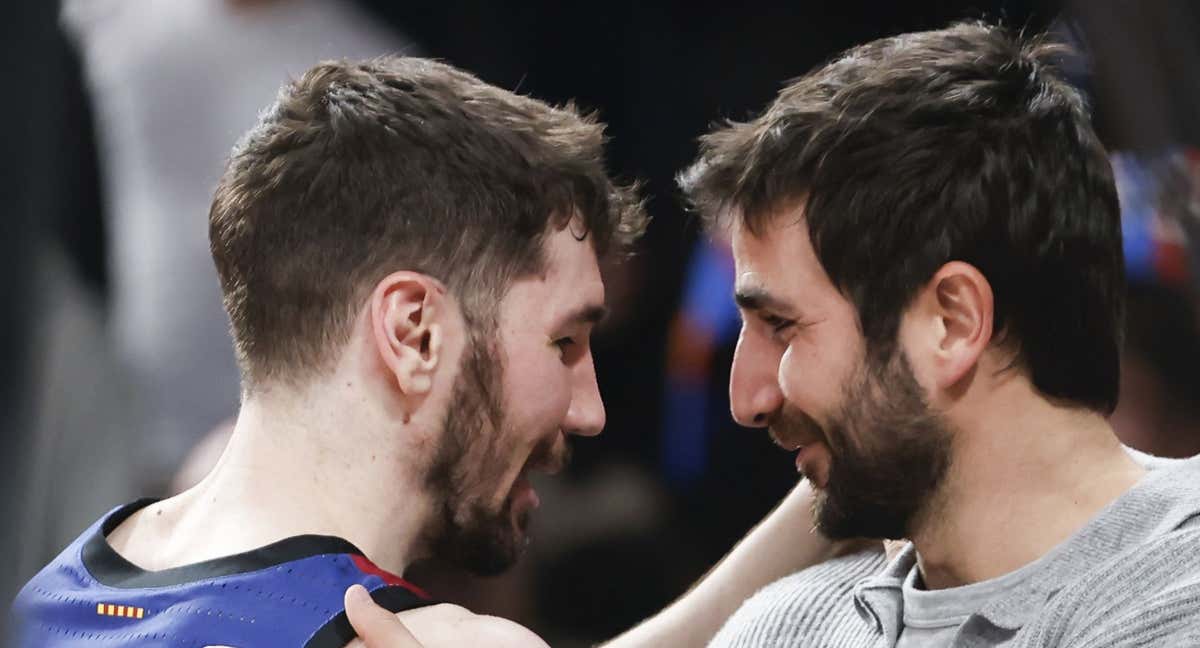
119	378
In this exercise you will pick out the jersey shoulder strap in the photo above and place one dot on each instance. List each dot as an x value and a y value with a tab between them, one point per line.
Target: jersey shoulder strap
337	632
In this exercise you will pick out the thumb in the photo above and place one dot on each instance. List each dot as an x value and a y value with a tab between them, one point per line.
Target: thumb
377	627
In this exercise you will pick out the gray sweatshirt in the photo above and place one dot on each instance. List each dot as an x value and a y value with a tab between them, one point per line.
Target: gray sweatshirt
1130	577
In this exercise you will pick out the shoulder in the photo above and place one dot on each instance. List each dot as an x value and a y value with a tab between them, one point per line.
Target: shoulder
834	576
1151	590
810	603
452	625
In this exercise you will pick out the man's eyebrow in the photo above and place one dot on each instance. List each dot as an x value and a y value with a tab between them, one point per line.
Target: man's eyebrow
756	298
587	314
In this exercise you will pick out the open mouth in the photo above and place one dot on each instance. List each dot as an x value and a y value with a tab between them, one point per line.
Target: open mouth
812	453
547	458
789	441
524	496
813	462
786	444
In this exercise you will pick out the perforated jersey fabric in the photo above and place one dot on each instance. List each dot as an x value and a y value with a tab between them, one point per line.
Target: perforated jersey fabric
286	594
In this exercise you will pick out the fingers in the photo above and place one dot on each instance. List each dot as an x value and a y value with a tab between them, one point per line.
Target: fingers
893	547
377	627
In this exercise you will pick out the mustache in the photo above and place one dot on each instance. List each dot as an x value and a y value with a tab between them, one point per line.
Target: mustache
550	456
791	429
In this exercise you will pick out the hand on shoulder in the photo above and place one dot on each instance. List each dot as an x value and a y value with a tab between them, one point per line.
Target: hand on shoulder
438	626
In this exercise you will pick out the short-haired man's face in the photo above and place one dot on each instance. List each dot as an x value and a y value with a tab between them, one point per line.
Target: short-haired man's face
864	436
520	391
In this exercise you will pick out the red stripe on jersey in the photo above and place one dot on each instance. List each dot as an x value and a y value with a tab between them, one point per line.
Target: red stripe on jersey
367	567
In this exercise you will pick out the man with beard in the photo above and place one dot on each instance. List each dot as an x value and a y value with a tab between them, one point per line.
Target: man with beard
409	260
929	265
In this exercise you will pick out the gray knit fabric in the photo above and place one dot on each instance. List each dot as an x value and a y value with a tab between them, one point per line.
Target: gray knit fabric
812	608
1150	597
1130	577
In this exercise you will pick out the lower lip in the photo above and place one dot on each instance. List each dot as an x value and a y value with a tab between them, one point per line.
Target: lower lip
808	462
523	494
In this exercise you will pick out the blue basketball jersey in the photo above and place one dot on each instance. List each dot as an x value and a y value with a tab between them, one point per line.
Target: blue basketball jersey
286	594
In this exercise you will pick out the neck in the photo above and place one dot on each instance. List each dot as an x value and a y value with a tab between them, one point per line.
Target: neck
291	469
1022	481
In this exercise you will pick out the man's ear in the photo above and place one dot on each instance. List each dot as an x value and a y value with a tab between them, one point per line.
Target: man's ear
407	311
954	311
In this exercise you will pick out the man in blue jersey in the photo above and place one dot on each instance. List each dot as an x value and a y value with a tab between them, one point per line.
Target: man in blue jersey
409	261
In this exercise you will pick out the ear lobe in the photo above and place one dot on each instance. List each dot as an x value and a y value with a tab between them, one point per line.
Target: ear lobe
964	311
407	331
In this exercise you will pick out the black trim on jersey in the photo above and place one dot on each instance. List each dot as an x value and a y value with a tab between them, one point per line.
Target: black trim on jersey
338	632
110	568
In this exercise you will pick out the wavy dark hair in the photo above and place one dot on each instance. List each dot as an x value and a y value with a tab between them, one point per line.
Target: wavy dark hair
963	144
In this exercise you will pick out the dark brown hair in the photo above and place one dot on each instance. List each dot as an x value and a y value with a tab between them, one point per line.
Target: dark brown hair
957	144
360	169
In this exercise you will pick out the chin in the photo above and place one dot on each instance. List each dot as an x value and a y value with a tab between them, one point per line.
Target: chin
485	542
499	554
840	517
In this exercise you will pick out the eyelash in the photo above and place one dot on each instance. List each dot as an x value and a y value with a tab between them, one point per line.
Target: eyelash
777	323
564	343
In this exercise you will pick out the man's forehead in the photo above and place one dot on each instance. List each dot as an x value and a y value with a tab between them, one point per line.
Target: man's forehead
569	290
755	252
756	283
776	263
566	252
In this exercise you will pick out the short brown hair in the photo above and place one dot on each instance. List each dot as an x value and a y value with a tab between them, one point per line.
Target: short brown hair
363	168
962	143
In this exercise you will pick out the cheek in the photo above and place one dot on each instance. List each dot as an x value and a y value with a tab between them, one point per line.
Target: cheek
803	375
811	375
538	394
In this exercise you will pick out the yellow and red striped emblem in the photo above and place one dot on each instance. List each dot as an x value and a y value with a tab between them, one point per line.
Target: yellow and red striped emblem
127	611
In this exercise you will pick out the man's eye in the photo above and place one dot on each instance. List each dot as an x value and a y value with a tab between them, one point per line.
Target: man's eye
564	343
777	324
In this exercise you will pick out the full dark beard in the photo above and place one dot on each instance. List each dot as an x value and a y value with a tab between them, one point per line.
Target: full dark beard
469	534
890	455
